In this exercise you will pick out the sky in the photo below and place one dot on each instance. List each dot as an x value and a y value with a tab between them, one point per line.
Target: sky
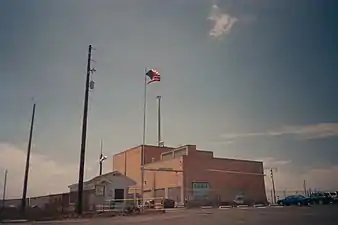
251	79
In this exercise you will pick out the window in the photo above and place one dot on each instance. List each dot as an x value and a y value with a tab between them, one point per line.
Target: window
99	190
200	185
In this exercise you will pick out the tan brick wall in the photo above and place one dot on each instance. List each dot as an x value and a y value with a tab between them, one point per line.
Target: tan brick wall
129	161
195	166
164	179
225	185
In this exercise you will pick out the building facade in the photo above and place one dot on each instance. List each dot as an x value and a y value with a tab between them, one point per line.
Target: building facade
110	188
186	173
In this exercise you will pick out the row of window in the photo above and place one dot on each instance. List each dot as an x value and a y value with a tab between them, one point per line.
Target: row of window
200	185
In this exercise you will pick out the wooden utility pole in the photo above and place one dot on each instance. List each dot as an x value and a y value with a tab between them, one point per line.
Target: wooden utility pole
4	190
273	185
305	189
25	182
84	135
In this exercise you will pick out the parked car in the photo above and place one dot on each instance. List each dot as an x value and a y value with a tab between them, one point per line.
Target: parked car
334	196
299	200
150	204
239	200
168	203
320	198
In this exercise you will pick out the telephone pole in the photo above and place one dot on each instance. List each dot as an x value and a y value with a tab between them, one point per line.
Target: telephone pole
159	141
88	85
305	189
273	184
25	182
4	190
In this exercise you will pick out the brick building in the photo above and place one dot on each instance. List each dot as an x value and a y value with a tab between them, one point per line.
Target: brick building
186	173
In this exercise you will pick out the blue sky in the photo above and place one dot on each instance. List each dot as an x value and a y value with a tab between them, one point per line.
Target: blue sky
246	79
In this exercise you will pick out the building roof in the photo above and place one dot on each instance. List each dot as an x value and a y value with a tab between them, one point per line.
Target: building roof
107	177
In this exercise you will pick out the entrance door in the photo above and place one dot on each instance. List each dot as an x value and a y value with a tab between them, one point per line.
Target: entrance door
200	190
174	193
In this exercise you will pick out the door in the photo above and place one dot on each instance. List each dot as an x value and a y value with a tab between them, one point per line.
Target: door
174	193
200	190
159	193
119	194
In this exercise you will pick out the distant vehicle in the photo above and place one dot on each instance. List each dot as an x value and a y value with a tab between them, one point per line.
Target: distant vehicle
335	197
239	200
149	204
321	198
334	194
168	203
299	200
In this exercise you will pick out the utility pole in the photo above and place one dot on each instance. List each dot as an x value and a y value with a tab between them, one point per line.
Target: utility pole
273	184
159	141
84	133
25	183
4	191
305	189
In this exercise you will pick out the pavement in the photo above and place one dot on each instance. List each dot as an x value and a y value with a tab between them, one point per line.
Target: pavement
314	215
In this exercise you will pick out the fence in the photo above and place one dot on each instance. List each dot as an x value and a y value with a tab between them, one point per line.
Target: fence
121	205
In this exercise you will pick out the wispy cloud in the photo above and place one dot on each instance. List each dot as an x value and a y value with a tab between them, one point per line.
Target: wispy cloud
273	162
324	179
314	131
46	175
291	179
222	22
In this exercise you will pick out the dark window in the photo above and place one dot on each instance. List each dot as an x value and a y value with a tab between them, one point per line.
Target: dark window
119	194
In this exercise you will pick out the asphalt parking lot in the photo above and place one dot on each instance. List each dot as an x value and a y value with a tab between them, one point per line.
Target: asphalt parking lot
323	215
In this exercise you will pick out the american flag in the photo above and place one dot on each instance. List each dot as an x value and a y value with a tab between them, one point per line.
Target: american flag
154	76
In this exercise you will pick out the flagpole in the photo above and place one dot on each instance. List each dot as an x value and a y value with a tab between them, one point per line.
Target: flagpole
144	136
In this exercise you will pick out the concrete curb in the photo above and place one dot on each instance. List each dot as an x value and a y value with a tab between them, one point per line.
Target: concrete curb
14	221
206	207
156	211
225	207
74	216
243	206
175	209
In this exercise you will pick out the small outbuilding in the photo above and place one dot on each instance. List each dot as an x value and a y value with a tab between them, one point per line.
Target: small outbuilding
108	189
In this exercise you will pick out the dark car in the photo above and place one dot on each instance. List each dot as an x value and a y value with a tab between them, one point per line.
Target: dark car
168	203
299	200
149	204
320	198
